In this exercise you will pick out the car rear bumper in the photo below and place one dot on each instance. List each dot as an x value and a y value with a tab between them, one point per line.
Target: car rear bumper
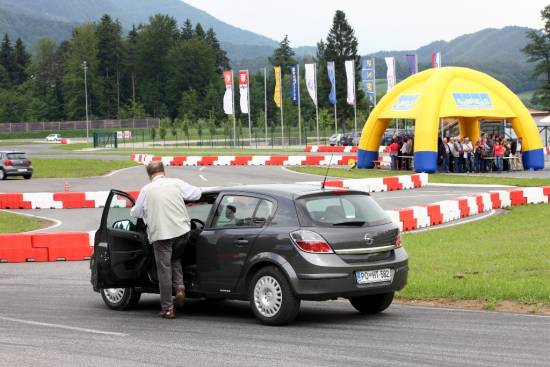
18	171
341	282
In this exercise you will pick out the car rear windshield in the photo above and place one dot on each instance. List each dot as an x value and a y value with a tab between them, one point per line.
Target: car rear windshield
17	156
342	210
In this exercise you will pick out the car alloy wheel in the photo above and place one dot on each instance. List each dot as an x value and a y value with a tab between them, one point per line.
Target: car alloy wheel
114	295
2	175
268	296
120	298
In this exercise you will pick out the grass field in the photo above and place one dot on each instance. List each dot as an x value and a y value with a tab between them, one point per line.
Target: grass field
14	223
498	259
434	178
72	168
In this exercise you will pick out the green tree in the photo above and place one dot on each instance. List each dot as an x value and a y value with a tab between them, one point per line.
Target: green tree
81	47
340	46
154	43
21	60
174	130
162	135
284	54
222	61
199	32
538	52
6	57
110	55
188	104
192	67
187	30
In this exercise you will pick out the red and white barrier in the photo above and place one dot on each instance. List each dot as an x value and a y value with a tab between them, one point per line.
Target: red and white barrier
379	184
28	247
58	200
451	210
97	199
40	247
337	149
276	160
330	149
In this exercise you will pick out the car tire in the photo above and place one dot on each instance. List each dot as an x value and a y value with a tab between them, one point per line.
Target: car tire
3	175
271	297
120	299
372	304
27	177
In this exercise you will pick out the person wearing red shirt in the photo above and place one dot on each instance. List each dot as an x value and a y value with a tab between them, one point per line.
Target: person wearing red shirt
498	149
394	150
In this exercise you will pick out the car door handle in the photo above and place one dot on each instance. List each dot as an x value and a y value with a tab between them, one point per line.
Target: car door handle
241	242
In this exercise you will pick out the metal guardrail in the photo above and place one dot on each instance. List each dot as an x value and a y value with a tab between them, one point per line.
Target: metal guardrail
13	127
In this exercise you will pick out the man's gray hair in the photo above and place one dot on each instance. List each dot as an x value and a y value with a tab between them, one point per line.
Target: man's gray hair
154	167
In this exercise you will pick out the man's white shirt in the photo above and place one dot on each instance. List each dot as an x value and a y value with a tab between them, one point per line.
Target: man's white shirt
161	204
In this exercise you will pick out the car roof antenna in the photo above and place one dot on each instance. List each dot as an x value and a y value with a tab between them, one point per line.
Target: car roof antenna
326	173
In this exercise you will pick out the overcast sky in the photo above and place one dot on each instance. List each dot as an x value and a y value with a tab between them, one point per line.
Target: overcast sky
379	25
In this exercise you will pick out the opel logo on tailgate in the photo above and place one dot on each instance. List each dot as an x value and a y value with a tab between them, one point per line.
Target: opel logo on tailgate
369	239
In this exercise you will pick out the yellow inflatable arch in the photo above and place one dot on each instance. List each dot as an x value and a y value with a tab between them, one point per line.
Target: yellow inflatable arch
465	94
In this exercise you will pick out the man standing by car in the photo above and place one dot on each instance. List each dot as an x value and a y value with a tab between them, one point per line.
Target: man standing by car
161	204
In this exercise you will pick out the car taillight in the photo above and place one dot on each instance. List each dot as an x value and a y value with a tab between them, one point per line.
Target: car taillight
8	162
30	162
398	241
312	242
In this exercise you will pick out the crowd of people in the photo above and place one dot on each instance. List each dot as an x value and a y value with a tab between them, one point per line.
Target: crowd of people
490	152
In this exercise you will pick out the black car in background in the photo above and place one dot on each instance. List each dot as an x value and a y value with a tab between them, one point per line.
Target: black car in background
15	164
272	245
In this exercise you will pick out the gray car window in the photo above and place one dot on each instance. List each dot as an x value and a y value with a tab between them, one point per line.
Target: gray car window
235	211
337	209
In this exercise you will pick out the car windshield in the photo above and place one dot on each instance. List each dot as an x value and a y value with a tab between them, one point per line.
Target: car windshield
17	156
342	210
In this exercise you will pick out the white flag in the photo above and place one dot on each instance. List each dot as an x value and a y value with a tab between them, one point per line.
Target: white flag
243	90
228	96
350	74
390	74
310	82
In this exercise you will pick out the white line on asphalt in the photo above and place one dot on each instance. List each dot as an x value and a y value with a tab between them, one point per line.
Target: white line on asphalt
465	185
300	173
203	178
119	170
447	225
416	196
65	327
56	222
472	311
202	168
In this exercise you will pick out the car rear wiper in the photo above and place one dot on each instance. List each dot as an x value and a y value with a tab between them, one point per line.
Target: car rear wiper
357	223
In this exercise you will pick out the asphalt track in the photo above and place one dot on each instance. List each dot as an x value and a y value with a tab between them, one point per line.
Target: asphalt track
49	315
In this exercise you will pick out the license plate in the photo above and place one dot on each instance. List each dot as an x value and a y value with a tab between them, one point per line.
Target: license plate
22	170
373	276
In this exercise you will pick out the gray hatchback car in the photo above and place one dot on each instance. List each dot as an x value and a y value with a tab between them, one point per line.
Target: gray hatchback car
272	245
13	163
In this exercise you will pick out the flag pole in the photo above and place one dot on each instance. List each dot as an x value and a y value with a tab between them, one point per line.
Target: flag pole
354	104
265	102
335	103
281	99
299	106
249	112
374	79
316	104
233	107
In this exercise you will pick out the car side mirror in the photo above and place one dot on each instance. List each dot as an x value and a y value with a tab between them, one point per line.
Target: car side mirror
125	225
